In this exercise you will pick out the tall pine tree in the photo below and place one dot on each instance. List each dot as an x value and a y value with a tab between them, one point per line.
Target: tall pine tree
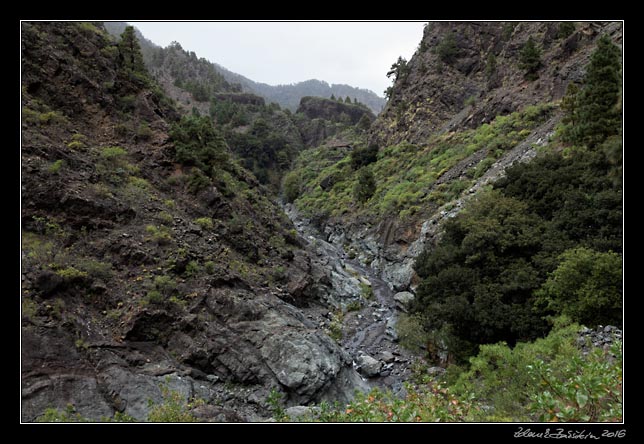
597	112
130	52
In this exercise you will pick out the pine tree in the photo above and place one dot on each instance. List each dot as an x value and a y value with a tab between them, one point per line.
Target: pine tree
530	59
332	96
130	52
366	185
347	100
598	114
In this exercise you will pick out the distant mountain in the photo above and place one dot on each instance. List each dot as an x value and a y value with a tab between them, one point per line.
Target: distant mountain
287	96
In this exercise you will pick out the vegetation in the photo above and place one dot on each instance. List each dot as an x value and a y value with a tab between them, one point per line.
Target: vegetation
530	59
545	241
545	380
593	113
324	181
198	143
447	50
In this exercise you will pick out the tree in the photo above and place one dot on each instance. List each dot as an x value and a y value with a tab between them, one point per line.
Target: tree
598	110
332	97
347	100
447	50
130	52
198	143
566	29
530	59
366	185
569	107
364	123
587	286
399	69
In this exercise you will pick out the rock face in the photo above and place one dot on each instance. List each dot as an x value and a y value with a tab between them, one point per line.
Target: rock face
320	108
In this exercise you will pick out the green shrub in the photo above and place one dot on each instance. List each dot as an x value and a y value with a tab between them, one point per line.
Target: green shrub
586	286
143	132
71	273
354	306
366	291
411	333
447	50
76	145
161	235
530	59
362	156
174	408
291	186
55	167
205	223
209	267
565	29
192	269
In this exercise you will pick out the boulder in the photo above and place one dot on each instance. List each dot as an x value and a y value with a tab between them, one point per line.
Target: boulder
368	365
387	357
403	300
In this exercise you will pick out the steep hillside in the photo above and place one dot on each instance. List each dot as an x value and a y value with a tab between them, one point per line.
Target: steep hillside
464	74
155	268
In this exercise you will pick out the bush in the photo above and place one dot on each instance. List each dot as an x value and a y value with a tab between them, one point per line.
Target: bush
205	223
363	156
291	186
447	50
55	167
143	132
173	409
366	185
198	143
161	235
586	286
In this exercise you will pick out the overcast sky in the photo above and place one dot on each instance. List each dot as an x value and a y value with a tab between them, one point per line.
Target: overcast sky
354	53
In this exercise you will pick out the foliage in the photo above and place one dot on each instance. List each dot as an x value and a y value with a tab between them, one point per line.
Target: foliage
405	174
274	400
366	185
362	156
130	56
530	59
366	291
581	389
565	29
544	380
291	186
55	167
447	50
143	132
433	403
478	281
586	286
175	408
411	333
198	143
597	114
205	223
399	69
159	234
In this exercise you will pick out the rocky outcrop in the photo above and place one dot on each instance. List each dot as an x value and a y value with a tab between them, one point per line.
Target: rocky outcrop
320	108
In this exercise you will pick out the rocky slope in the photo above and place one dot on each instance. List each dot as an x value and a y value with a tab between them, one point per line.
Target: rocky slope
466	73
135	278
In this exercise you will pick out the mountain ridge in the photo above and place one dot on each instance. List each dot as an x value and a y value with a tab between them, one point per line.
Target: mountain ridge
286	95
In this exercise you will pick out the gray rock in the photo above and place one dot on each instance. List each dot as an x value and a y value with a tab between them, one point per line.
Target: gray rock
299	411
435	371
391	329
387	357
403	300
369	366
